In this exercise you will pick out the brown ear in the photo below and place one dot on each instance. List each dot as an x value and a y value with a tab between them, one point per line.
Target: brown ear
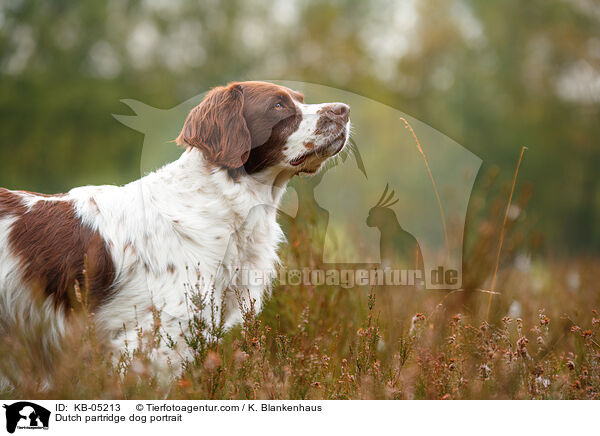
218	128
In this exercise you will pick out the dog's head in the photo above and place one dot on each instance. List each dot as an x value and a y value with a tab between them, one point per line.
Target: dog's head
256	126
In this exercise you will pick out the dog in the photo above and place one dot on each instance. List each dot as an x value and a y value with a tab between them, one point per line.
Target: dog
205	221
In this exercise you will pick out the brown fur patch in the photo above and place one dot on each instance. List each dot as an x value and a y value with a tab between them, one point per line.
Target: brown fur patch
217	127
269	128
259	108
239	127
10	203
52	244
271	152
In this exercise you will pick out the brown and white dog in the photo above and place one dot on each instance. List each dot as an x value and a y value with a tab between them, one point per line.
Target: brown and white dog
198	221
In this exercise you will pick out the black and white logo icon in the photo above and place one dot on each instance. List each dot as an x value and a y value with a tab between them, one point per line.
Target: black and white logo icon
26	415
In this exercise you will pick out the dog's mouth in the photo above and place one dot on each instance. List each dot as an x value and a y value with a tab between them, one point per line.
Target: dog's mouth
323	152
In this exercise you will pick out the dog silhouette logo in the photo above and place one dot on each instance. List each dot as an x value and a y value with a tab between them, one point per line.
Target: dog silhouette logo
26	415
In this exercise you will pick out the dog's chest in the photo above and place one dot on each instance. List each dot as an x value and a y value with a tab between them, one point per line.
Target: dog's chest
166	239
210	249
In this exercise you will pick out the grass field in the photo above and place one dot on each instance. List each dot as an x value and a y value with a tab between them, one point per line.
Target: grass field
542	341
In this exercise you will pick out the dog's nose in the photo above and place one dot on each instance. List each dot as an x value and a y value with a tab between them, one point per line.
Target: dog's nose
339	110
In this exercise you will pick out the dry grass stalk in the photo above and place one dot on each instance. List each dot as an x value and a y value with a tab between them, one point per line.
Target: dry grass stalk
502	230
437	194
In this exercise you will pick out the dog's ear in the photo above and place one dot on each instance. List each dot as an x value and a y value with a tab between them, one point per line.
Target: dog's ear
218	128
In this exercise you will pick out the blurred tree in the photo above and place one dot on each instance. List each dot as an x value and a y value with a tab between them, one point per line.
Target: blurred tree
491	75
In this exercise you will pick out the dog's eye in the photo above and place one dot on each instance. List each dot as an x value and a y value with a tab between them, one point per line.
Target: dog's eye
278	106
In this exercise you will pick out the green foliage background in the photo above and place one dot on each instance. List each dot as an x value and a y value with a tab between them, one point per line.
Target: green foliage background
491	75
